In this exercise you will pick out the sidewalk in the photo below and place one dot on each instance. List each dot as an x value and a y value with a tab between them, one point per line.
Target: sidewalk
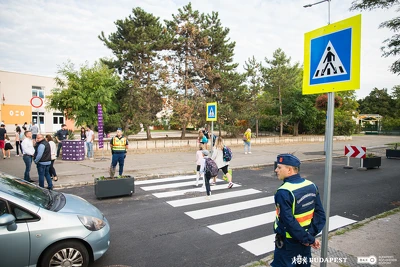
162	164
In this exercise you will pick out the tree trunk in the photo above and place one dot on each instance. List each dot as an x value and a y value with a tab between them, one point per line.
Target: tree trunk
296	129
148	133
280	112
256	127
183	130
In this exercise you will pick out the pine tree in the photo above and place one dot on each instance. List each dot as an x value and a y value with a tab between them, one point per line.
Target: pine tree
137	46
280	75
392	45
187	63
222	83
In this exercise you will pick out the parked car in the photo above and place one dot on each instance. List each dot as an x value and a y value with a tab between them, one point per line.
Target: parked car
41	227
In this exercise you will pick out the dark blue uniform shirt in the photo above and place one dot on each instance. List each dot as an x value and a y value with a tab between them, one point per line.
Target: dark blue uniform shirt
288	223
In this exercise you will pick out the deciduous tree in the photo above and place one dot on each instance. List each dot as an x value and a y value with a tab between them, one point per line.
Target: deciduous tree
80	90
392	45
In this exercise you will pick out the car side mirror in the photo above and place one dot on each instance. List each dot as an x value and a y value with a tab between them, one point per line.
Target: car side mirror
9	220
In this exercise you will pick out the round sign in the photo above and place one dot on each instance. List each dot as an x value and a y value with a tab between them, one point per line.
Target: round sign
36	102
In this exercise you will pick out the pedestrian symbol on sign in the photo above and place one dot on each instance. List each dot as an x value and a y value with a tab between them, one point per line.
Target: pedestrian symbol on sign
330	64
211	113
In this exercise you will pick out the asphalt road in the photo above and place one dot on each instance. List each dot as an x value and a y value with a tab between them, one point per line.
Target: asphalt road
147	231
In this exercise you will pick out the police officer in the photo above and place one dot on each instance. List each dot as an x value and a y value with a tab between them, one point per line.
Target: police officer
299	215
119	145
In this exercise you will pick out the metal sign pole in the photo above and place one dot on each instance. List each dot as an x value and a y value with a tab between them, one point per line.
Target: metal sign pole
212	135
328	175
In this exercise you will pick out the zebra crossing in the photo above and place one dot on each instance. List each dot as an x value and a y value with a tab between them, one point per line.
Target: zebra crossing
183	194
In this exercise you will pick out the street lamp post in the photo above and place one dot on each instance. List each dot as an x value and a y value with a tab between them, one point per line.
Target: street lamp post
328	158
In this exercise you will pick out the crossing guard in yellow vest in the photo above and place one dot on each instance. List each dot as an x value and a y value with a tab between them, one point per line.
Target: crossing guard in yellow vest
119	146
299	215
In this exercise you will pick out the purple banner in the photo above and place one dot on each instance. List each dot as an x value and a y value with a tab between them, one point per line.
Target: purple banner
100	125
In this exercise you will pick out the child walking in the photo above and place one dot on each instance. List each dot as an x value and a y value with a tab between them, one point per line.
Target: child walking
7	147
199	159
206	174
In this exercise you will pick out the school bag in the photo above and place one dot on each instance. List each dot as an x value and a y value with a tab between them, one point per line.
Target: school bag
227	153
211	167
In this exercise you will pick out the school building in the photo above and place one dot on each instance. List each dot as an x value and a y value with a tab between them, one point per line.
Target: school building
23	99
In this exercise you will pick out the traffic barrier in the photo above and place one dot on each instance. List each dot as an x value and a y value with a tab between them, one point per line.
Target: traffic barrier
354	152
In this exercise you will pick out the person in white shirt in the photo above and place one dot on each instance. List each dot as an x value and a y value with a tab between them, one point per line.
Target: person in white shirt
28	152
89	142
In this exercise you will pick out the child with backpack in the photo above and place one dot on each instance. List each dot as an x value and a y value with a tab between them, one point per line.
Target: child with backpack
220	160
208	168
199	159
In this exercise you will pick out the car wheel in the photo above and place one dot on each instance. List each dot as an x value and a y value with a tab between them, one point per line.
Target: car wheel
69	253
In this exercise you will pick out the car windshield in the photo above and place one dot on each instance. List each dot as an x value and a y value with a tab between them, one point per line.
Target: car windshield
21	189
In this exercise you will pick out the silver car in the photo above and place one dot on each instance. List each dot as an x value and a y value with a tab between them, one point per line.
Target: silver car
41	227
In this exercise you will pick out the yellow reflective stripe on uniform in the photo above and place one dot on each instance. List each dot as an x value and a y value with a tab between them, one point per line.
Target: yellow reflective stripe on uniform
119	144
304	219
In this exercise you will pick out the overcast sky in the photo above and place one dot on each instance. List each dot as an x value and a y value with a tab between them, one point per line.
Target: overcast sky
36	37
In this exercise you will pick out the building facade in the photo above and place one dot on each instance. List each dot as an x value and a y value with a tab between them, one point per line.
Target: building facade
23	99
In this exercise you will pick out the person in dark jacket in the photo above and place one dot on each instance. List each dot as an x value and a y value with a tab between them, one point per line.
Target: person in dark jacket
42	158
299	215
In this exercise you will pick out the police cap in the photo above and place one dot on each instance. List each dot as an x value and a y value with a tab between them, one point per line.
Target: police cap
288	159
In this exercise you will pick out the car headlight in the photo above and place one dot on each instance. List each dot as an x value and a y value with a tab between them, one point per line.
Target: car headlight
92	223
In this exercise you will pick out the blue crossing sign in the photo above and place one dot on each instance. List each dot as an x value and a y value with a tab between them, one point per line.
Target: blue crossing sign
332	57
211	111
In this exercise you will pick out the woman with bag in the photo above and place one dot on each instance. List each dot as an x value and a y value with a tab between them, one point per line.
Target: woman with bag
247	141
218	157
53	149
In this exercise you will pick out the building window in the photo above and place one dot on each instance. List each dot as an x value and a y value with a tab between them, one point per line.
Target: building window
38	91
58	118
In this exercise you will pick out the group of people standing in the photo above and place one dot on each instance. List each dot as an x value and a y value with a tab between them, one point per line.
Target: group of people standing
42	151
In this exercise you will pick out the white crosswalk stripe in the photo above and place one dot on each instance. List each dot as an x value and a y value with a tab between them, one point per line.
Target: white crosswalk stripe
185	191
164	180
214	211
197	200
258	246
244	223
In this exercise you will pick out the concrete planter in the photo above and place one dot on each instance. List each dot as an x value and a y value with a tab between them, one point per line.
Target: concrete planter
392	153
372	162
114	187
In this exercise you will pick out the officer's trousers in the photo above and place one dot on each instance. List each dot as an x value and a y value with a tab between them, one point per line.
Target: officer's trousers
292	254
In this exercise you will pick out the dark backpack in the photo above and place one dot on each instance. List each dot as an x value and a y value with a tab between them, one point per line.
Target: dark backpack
227	153
211	167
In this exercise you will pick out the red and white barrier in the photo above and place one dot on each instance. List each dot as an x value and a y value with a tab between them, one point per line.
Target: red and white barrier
354	152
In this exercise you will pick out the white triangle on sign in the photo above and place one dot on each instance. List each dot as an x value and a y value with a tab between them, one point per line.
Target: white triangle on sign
330	64
211	113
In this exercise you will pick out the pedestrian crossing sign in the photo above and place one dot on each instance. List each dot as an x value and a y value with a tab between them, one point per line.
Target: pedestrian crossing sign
332	57
211	111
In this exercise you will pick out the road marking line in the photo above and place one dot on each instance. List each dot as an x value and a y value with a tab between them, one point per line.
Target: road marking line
198	189
197	200
266	244
244	223
170	185
203	213
168	179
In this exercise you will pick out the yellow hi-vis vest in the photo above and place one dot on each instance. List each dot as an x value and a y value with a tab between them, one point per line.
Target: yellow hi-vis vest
119	144
304	219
